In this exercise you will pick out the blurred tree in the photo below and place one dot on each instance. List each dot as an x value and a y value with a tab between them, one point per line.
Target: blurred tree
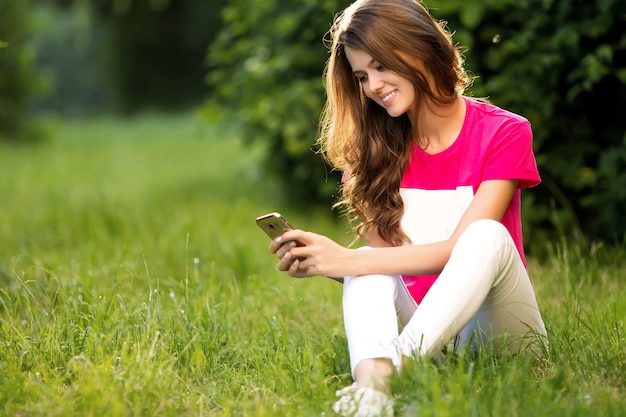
158	50
72	54
126	55
101	55
19	82
562	64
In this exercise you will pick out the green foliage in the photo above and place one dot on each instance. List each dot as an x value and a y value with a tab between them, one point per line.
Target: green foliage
19	81
267	75
134	282
561	64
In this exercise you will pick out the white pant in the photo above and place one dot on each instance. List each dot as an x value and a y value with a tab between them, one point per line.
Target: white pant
483	294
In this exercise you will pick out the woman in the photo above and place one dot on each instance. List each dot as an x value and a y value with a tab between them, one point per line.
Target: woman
433	179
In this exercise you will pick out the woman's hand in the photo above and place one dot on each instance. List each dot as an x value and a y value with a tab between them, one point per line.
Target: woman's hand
312	255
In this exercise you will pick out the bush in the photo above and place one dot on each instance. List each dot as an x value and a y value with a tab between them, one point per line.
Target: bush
268	62
562	64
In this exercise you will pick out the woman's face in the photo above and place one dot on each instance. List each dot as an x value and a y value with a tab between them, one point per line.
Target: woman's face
388	89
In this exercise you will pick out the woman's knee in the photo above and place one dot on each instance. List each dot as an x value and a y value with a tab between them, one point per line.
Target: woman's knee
484	227
486	230
375	283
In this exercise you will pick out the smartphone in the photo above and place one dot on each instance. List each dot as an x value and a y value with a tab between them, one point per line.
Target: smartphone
273	224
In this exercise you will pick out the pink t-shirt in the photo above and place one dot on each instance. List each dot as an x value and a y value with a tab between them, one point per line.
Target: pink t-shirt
437	189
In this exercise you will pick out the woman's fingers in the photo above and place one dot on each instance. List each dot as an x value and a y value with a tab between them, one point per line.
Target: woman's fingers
292	237
284	248
285	262
298	252
294	269
298	271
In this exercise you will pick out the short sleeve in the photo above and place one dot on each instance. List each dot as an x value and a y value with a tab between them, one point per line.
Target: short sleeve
511	155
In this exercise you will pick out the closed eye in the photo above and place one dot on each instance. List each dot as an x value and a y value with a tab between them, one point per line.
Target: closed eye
362	77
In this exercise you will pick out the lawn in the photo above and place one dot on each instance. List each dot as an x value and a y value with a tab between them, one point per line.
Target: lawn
134	282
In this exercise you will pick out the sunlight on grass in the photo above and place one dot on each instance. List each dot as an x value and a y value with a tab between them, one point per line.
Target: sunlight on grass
134	281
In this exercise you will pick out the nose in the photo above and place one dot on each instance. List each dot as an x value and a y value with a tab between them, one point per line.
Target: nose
376	84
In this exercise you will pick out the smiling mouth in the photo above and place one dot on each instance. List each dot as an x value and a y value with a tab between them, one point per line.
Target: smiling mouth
388	97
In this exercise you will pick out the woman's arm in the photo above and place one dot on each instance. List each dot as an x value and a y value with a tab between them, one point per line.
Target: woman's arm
322	256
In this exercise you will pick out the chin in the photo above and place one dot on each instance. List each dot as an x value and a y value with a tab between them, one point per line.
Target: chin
395	114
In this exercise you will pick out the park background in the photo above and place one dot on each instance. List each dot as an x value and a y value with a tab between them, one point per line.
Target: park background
140	138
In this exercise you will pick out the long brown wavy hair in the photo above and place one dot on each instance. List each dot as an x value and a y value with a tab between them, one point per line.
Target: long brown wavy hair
357	136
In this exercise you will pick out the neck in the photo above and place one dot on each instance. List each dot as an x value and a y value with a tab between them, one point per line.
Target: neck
439	126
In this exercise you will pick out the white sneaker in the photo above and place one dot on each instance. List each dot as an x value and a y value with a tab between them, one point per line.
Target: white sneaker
355	401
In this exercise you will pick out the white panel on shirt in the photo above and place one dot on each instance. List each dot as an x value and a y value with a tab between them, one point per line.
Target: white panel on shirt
432	215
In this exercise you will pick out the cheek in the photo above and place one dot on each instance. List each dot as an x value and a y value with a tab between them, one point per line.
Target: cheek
368	93
370	96
411	94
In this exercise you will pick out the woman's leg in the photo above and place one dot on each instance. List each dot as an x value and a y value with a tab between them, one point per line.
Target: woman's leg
484	289
372	305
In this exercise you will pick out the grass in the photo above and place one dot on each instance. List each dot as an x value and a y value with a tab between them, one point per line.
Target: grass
134	282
